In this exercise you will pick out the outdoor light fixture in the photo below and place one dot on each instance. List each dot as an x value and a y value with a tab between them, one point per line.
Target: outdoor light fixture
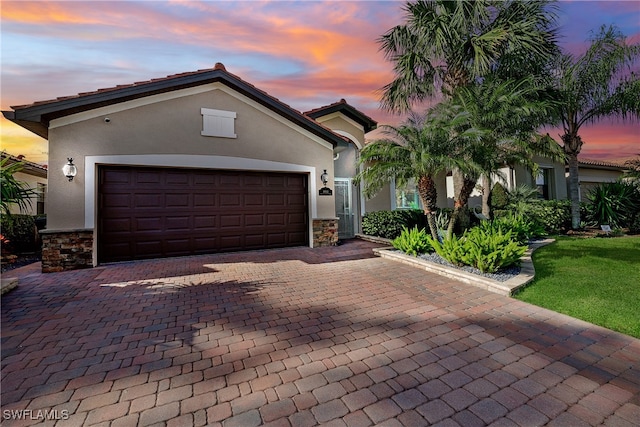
324	178
69	169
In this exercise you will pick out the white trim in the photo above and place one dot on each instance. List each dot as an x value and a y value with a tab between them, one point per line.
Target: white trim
91	164
339	114
348	135
152	99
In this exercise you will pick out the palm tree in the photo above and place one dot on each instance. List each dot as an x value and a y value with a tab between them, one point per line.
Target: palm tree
448	44
417	150
14	192
593	86
633	166
510	112
445	45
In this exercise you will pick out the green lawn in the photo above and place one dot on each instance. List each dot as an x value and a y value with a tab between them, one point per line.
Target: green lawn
597	280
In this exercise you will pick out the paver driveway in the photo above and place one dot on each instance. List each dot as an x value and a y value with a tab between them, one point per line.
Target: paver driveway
300	337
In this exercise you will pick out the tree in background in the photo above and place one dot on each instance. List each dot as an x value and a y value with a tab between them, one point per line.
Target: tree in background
14	192
597	84
445	45
417	150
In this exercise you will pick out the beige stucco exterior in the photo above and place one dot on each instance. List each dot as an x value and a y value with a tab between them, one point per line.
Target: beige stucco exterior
31	182
165	130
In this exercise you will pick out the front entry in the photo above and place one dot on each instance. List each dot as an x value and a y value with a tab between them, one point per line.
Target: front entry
344	208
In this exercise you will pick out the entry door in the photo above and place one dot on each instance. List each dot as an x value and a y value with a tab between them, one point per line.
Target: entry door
344	208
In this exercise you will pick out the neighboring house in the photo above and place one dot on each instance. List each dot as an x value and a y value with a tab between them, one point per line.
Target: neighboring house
591	173
35	176
192	163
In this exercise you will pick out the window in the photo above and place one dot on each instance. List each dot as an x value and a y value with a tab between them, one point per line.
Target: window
407	197
42	191
543	183
218	123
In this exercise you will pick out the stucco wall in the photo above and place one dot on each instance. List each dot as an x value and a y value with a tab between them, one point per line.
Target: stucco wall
166	130
32	182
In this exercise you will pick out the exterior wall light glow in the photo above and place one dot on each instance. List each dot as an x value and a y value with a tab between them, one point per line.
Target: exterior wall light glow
324	178
69	169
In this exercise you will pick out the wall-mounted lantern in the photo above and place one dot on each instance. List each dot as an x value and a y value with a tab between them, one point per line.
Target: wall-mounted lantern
70	170
324	178
324	191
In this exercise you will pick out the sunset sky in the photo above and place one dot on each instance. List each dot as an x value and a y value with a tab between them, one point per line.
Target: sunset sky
306	53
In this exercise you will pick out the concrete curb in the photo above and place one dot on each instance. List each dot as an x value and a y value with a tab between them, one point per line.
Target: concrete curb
527	271
7	284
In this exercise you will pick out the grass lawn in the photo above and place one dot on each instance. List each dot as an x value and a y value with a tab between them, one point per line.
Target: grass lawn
597	280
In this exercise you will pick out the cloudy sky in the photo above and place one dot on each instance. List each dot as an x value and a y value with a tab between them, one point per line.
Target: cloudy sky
306	53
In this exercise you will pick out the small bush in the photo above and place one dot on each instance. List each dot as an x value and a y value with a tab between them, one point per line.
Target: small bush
523	228
488	250
21	232
389	224
498	198
553	215
413	241
614	203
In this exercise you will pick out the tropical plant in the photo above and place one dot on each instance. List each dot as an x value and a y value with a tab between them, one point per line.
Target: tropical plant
522	194
412	241
445	45
614	203
592	86
486	248
417	150
509	112
14	192
633	168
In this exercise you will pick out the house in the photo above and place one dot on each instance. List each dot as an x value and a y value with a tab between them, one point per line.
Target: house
592	172
34	176
192	163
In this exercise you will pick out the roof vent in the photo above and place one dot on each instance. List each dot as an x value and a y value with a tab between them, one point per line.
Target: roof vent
219	66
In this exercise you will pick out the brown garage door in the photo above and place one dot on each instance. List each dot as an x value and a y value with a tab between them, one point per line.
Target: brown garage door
161	212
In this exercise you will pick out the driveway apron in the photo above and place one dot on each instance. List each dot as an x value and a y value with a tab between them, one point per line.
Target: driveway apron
300	337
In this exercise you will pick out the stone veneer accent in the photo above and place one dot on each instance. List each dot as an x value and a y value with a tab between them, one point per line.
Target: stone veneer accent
325	232
64	250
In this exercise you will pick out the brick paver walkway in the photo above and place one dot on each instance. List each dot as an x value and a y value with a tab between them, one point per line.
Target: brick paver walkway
300	337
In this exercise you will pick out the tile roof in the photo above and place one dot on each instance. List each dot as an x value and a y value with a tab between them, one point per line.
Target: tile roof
367	122
37	115
601	163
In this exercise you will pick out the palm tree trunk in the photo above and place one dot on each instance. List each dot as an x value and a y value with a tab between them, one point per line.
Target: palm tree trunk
572	146
574	190
486	192
460	202
429	197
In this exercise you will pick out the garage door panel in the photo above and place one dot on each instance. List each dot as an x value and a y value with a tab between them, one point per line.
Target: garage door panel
148	224
204	200
157	212
177	200
254	220
173	223
275	200
275	219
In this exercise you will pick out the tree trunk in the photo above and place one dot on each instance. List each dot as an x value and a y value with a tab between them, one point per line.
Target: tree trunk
486	192
461	199
572	147
429	196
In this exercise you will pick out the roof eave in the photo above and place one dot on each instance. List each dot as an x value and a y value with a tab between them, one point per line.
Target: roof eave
36	118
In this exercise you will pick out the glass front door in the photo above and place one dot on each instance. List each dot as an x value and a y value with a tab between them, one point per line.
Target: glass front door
344	208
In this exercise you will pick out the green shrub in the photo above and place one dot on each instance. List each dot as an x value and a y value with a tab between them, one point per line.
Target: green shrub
413	241
389	224
498	198
452	249
21	232
487	249
614	203
523	228
553	215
